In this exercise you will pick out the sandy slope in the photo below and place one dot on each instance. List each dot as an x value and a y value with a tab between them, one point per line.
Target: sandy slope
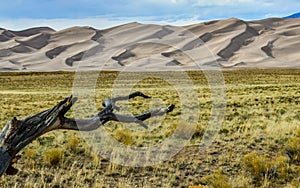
230	43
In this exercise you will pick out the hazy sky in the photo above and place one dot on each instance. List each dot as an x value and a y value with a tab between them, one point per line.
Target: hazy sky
59	14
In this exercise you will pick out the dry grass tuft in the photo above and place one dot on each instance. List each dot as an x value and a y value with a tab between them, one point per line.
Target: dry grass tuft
293	148
124	136
216	180
29	153
53	156
257	165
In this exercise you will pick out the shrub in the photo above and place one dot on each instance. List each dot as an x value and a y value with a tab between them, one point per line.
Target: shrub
73	142
30	156
53	156
256	165
30	153
199	131
293	148
95	159
280	169
124	136
73	145
264	169
216	180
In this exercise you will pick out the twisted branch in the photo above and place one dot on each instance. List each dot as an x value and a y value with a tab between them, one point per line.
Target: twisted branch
19	133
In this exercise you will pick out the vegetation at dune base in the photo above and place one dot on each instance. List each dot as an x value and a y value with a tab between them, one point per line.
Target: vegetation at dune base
258	144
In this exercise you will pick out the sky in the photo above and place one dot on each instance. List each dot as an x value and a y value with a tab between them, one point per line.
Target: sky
100	14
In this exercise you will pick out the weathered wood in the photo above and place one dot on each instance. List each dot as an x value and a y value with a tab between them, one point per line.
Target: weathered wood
19	133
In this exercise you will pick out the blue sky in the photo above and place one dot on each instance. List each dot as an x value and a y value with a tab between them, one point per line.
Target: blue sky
59	14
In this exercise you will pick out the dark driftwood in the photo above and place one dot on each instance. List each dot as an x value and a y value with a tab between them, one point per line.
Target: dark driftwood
19	133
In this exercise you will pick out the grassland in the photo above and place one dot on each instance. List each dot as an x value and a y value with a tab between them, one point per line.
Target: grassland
257	146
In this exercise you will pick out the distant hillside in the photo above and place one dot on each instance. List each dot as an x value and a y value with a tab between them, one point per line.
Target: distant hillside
229	44
297	15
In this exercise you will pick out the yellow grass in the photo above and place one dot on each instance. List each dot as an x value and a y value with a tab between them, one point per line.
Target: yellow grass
257	145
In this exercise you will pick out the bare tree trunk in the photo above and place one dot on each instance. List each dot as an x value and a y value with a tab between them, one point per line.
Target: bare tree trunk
19	133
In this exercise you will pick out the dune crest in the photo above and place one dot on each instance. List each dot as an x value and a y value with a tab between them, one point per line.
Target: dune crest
228	44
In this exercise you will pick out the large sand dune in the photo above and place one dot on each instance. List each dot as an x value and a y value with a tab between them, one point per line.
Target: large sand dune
228	44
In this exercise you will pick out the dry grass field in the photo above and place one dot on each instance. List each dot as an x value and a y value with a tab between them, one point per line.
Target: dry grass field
258	144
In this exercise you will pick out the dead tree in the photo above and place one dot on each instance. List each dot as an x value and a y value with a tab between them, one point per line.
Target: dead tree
19	133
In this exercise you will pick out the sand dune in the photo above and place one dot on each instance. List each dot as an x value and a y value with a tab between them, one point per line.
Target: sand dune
33	31
227	44
37	41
